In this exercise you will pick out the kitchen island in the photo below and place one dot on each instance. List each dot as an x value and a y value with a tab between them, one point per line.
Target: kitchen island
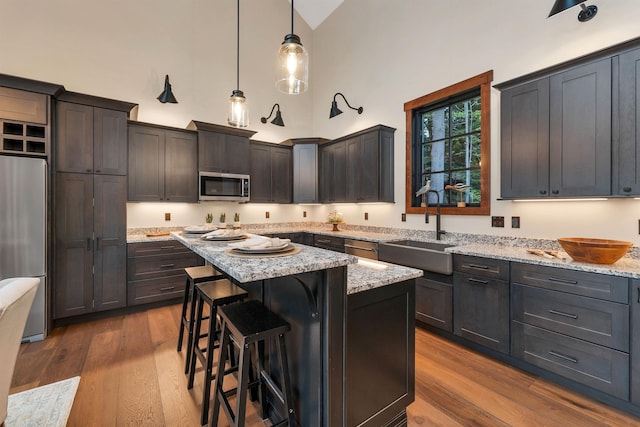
342	373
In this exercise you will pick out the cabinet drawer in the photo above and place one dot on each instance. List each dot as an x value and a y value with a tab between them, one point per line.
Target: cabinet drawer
601	322
329	242
152	290
599	367
434	301
602	286
156	248
158	266
486	267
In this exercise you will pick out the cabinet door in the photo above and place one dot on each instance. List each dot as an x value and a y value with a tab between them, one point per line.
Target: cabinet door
73	286
211	151
580	131
260	170
236	153
146	164
333	172
305	173
386	170
109	142
110	259
524	138
434	303
369	167
353	149
635	341
481	310
74	145
281	175
181	167
627	147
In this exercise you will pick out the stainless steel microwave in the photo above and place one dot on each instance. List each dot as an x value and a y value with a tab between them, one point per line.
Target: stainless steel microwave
224	186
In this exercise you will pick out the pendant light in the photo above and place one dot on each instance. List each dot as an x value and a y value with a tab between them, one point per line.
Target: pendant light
293	64
238	114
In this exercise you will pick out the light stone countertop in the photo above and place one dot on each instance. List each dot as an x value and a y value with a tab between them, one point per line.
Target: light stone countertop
368	274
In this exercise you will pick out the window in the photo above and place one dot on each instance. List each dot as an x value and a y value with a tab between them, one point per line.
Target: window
448	144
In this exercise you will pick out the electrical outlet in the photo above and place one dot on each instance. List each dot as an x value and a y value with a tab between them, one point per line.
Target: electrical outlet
304	214
515	222
366	216
404	217
497	221
167	216
266	214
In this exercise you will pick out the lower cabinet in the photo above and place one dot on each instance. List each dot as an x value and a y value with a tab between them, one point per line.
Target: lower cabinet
90	243
434	300
331	243
155	270
481	301
635	341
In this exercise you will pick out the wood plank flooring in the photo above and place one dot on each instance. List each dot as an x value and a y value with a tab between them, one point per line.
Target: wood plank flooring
131	375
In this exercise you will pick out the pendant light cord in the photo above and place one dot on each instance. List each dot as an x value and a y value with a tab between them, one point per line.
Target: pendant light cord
292	17
238	51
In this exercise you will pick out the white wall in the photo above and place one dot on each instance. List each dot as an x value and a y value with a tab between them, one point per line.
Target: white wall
383	53
379	53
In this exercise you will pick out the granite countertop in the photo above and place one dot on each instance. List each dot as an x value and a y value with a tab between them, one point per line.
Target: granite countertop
244	269
625	267
368	274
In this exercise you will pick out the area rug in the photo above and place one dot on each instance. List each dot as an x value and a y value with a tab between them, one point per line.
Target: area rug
48	405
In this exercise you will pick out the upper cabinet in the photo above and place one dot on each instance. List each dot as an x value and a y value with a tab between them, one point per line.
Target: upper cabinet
358	167
271	173
556	134
626	158
163	164
222	148
91	134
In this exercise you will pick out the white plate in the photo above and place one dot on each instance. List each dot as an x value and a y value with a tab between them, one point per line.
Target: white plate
223	238
273	249
199	229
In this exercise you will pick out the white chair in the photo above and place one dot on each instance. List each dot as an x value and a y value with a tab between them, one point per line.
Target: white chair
16	297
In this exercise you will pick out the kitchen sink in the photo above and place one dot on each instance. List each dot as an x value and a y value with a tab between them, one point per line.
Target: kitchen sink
429	256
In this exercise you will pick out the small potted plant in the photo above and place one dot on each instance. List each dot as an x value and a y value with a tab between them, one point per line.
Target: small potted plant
236	220
209	218
223	220
334	218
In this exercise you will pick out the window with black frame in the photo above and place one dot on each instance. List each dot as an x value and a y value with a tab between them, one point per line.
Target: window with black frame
446	150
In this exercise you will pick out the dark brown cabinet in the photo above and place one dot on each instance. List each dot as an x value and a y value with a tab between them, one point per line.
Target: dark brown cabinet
91	139
163	164
222	148
626	132
434	301
481	301
271	173
548	150
332	243
155	270
90	243
359	167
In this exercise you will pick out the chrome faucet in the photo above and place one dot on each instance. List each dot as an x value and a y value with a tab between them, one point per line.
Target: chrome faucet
439	231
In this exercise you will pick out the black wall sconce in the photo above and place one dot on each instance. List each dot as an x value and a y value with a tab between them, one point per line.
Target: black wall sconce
277	120
334	106
585	14
167	95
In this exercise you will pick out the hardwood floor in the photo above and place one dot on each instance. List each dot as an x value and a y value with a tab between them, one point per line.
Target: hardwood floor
131	375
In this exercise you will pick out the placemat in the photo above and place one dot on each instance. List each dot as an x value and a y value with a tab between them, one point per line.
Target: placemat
296	250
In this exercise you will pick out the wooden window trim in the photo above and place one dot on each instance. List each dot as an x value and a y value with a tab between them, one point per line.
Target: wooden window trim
484	82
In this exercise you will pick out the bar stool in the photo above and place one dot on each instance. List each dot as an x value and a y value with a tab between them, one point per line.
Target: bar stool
214	294
249	324
194	275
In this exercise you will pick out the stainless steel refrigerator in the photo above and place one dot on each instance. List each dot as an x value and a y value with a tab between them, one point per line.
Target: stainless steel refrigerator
23	231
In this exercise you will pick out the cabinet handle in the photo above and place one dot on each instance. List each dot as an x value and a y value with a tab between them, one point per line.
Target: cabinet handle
560	313
323	241
567	281
97	243
478	267
98	171
88	170
563	356
478	281
555	192
88	243
639	295
167	265
627	189
543	192
166	247
167	288
360	247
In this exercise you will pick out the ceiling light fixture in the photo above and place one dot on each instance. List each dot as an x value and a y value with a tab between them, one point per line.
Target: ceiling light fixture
278	118
334	106
585	14
167	95
238	115
293	64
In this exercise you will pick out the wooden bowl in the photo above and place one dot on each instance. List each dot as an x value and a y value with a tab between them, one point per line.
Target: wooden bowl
597	251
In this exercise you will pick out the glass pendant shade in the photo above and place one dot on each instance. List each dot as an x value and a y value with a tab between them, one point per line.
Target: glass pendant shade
238	114
293	66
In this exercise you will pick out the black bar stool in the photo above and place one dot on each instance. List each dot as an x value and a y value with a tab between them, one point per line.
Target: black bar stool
214	294
194	275
249	324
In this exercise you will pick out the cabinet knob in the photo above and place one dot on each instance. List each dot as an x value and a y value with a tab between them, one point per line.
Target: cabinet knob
98	171
88	170
555	192
627	189
543	192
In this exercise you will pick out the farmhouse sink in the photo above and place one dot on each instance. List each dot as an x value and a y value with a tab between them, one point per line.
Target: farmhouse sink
429	256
